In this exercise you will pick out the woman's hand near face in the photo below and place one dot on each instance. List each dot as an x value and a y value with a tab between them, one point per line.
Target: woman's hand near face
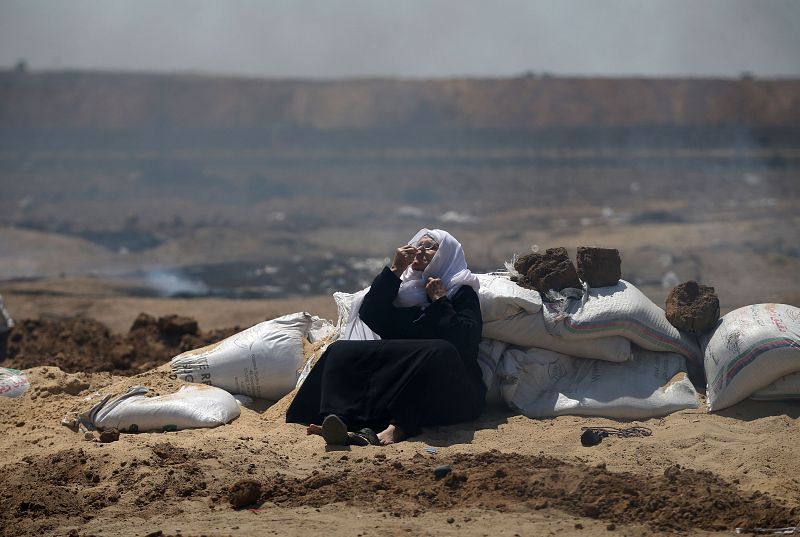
435	289
403	257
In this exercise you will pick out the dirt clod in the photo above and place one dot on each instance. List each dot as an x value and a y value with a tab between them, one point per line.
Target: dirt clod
177	325
599	267
551	270
244	492
692	307
109	435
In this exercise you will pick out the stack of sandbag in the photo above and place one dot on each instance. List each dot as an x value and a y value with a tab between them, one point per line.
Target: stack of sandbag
603	351
514	315
753	352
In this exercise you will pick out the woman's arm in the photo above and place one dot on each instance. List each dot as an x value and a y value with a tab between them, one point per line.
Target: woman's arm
457	320
378	311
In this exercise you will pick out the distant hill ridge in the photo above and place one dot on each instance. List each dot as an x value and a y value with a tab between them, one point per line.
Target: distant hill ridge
98	100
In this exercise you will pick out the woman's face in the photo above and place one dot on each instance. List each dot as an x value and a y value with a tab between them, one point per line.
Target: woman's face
426	249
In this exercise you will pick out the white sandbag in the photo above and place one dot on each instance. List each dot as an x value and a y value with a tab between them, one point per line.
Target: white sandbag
489	354
522	327
189	408
344	303
547	383
320	329
358	330
787	387
618	310
750	348
13	382
501	298
263	361
528	330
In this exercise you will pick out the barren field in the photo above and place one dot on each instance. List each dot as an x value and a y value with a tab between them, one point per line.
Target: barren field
99	243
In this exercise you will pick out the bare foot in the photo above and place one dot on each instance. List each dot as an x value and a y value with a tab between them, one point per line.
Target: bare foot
314	429
391	434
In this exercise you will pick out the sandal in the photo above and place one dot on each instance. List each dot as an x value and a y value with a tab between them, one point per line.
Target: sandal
334	431
591	436
364	437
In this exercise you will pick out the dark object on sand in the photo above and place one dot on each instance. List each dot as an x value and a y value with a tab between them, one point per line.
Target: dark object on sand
442	470
363	437
177	325
692	307
243	493
334	431
551	270
599	267
591	436
109	435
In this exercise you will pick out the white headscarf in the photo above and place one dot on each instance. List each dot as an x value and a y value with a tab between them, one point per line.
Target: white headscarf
447	264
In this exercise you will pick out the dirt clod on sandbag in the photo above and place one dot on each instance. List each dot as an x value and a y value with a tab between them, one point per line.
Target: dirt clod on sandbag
243	493
599	267
551	270
525	262
692	307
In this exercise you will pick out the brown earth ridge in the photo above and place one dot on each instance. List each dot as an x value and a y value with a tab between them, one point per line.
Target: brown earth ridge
698	473
86	345
114	101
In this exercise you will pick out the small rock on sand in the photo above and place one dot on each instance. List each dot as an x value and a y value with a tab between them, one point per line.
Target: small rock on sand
244	492
442	470
109	435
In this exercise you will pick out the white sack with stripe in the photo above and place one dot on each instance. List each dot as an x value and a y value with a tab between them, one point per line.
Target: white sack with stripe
618	310
787	387
750	348
541	383
513	314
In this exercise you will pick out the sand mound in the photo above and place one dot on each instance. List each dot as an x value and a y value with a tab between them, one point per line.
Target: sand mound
679	500
696	473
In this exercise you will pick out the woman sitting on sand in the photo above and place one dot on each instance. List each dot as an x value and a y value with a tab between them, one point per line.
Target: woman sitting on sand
408	359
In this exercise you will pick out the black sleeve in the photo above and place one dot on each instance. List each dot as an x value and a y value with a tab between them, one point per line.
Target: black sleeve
458	321
378	311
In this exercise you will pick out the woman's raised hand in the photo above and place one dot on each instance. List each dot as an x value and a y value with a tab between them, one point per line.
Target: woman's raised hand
403	257
435	289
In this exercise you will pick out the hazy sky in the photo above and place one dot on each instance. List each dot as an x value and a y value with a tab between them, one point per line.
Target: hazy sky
406	38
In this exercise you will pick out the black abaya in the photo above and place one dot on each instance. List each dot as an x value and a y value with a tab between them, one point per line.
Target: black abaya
423	372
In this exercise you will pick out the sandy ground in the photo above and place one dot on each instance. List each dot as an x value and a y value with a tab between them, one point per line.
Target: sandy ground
698	473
